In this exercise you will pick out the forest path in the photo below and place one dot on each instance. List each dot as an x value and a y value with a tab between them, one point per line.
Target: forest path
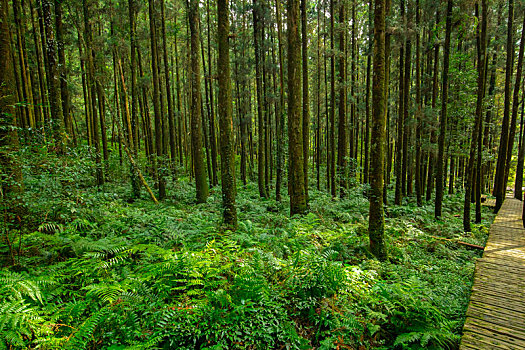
496	312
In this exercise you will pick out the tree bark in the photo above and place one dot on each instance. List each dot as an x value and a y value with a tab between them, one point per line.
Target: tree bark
57	118
443	115
342	150
499	178
306	100
476	130
11	177
295	125
376	221
196	118
225	117
159	144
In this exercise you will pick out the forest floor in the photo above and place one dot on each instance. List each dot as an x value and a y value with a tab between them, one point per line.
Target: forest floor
84	268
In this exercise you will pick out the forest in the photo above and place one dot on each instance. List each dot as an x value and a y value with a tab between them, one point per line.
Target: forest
252	174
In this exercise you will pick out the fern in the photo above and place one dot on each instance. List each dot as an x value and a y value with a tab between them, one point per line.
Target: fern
81	337
19	286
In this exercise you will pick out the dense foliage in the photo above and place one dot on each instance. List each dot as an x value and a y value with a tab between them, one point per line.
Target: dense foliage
86	268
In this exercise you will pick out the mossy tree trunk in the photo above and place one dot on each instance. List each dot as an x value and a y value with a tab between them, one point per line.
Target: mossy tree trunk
196	117
376	224
225	116
295	122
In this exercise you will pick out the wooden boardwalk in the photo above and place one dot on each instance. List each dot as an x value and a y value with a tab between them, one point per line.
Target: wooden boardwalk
496	312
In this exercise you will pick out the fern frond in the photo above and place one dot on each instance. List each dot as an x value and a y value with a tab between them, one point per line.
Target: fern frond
81	337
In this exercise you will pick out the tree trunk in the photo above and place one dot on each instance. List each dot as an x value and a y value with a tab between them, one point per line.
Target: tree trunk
159	144
11	178
64	91
476	130
91	88
279	125
332	101
295	125
306	100
258	81
419	103
213	138
443	115
225	117
376	221
401	119
342	152
499	179
171	114
515	101
57	118
196	118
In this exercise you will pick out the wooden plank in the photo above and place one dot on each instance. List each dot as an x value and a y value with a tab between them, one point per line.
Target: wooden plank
506	303
520	335
516	296
510	341
501	268
483	304
486	342
481	314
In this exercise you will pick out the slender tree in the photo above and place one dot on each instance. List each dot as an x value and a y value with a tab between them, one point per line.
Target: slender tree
342	149
295	125
499	178
443	116
476	130
11	177
157	110
53	79
257	36
376	220
225	116
196	98
306	100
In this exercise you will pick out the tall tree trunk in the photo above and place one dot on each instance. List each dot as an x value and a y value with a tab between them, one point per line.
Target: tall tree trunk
57	118
295	125
476	130
279	125
342	151
499	179
91	87
419	103
306	100
367	92
401	118
134	93
171	115
376	221
318	84
196	118
406	125
11	178
260	113
64	91
435	89
332	101
443	115
26	96
515	101
225	117
159	144
518	193
213	138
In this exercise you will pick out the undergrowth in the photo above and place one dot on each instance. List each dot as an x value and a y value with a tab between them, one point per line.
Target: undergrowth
86	268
